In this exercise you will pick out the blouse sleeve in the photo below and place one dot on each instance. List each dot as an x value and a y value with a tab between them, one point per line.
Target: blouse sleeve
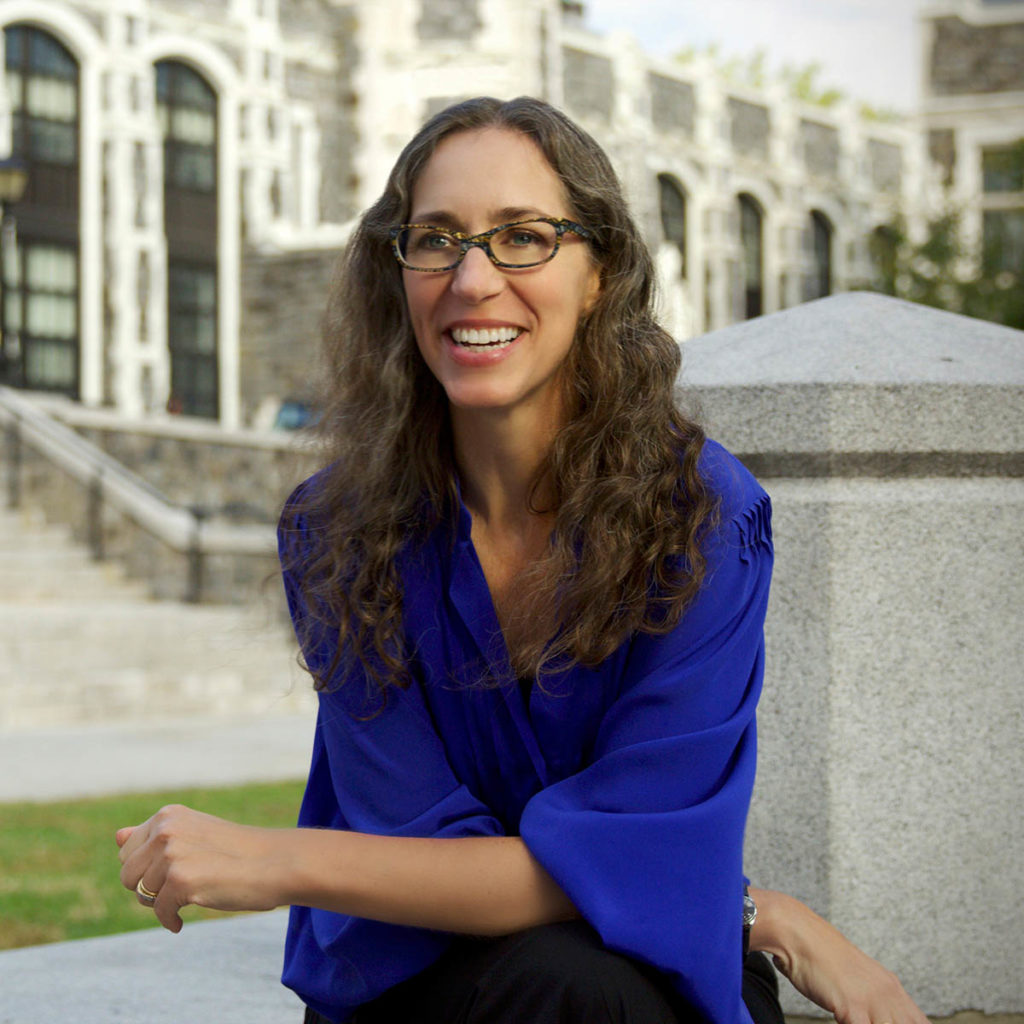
647	840
383	772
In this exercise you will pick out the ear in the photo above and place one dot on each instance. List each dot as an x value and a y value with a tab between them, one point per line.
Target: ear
592	291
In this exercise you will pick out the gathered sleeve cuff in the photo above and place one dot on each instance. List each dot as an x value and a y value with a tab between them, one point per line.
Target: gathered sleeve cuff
647	840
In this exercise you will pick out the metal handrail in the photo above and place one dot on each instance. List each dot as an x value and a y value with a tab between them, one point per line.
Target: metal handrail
184	530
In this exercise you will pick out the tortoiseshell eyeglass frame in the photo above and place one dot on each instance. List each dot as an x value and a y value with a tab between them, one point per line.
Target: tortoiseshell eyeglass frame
483	241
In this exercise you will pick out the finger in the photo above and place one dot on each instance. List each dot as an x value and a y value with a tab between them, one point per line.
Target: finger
145	893
166	909
134	836
144	863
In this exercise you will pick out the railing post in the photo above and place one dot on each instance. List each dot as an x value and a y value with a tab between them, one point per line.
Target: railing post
94	515
12	442
194	589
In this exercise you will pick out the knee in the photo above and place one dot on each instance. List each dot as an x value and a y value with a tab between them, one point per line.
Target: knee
562	973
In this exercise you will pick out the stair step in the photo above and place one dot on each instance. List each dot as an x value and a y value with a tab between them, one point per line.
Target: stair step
79	643
55	581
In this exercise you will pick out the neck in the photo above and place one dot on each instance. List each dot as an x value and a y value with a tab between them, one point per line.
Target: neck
498	453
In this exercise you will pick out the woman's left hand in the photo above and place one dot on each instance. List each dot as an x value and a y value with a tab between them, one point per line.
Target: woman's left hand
826	967
184	856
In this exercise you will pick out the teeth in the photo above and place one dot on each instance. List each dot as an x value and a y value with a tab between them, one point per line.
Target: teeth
485	336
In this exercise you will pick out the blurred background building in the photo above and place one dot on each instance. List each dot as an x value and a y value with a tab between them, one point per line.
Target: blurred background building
193	167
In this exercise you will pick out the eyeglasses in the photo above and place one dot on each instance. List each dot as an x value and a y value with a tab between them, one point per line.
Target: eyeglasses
521	244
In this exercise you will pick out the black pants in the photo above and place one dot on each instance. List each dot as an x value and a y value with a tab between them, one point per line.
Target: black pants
553	974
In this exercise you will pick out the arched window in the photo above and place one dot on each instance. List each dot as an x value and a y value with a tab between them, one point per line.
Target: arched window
39	241
188	118
751	237
819	281
672	204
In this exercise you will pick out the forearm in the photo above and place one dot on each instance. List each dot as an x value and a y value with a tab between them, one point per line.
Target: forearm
485	885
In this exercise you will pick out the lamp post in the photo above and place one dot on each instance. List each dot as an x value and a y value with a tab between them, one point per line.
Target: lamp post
13	179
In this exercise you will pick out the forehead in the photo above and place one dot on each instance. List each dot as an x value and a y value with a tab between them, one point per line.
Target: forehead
476	177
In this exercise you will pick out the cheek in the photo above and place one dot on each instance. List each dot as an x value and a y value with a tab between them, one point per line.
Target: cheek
418	301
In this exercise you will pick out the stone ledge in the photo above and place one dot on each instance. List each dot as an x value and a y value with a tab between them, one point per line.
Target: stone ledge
225	971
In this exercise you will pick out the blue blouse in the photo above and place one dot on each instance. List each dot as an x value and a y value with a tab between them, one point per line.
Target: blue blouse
629	782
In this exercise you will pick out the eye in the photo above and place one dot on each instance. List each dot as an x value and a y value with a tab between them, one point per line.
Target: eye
521	237
432	240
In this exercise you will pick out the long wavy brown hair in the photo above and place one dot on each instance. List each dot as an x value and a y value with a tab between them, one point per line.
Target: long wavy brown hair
629	505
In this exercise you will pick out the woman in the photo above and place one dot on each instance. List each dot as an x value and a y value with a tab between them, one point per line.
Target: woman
532	598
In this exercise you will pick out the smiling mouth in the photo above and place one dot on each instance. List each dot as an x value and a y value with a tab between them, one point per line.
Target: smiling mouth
489	337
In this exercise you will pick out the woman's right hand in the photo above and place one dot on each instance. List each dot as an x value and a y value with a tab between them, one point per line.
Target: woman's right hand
187	857
823	965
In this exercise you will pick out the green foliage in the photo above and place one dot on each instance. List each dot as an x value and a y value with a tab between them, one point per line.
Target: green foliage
940	271
59	867
881	115
803	85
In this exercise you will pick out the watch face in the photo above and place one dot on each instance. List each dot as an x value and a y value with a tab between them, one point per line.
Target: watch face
749	910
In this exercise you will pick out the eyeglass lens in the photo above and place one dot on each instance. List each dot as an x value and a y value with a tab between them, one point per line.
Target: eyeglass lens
518	245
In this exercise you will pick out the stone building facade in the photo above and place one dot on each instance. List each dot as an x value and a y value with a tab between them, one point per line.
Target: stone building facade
195	165
973	114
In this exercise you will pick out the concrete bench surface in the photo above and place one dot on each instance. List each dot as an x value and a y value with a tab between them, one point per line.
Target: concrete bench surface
225	971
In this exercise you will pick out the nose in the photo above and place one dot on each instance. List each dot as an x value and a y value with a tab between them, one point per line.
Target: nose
476	278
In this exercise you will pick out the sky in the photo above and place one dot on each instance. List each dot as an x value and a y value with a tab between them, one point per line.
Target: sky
869	49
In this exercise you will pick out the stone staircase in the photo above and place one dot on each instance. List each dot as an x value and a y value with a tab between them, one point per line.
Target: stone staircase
81	644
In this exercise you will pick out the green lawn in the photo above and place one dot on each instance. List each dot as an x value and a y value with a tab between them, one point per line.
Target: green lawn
59	867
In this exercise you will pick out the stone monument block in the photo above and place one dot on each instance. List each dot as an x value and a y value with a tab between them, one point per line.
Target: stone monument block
889	788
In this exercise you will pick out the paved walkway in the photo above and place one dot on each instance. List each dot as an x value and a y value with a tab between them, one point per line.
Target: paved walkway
95	760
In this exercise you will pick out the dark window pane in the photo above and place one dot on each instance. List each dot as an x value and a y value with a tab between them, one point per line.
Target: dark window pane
1003	168
163	81
1004	241
46	55
673	216
750	236
819	282
51	365
194	169
52	142
194	92
192	335
14	42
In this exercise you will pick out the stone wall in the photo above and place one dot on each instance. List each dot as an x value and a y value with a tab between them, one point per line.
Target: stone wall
975	58
589	84
886	163
942	152
820	145
332	93
283	300
750	127
673	105
449	19
233	478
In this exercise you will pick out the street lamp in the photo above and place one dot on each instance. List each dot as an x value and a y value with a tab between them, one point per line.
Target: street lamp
13	179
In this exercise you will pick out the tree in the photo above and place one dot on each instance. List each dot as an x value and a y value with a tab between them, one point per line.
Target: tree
942	270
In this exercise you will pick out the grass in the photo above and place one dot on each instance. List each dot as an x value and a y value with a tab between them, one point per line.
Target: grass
59	867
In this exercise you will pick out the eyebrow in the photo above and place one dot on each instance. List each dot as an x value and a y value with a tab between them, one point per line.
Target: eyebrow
504	215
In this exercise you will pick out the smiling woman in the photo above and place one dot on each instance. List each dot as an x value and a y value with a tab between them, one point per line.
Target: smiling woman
531	595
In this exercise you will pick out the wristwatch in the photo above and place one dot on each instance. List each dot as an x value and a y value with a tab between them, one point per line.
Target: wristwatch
749	917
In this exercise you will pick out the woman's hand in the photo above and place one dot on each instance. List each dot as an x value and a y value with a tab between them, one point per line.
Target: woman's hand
184	856
826	967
